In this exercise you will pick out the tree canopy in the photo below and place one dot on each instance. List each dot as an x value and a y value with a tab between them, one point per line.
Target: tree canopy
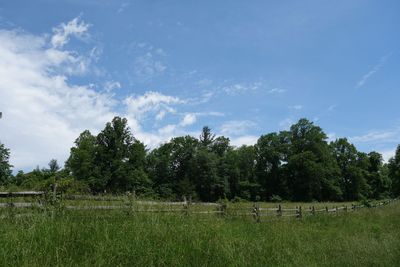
298	164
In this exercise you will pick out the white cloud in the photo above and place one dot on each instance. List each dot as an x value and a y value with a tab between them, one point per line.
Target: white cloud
297	107
240	88
111	85
244	140
148	66
387	154
236	127
62	33
286	123
332	107
376	136
375	69
384	141
331	137
122	7
138	106
276	91
43	113
188	119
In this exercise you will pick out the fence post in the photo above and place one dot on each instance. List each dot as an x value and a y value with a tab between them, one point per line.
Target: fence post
279	210
313	210
223	208
256	212
185	206
326	209
299	212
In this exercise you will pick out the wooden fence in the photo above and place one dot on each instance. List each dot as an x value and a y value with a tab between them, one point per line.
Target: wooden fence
131	205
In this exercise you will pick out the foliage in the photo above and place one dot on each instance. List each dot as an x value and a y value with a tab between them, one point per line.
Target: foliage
5	167
298	165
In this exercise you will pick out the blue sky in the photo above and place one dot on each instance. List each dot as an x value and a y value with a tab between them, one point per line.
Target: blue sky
243	68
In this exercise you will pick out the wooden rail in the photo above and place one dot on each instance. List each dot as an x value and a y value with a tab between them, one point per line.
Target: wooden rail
21	194
186	207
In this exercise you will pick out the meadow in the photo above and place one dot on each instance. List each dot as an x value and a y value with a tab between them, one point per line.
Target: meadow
366	237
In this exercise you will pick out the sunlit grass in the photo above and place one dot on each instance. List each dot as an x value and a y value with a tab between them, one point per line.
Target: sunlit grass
368	237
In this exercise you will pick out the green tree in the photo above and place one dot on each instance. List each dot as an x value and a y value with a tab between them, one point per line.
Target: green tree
248	185
394	172
208	185
5	166
378	178
206	137
119	159
352	178
81	159
271	152
53	166
312	170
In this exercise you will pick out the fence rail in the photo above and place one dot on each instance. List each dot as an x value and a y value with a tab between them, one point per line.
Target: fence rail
132	205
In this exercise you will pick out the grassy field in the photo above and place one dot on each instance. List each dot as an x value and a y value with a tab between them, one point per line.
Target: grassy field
368	237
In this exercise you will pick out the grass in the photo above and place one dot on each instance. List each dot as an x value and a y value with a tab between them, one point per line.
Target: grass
368	237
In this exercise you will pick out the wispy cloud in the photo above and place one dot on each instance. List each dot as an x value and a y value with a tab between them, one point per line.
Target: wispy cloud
377	136
148	66
244	140
122	7
276	91
62	33
374	70
236	127
297	107
240	88
188	119
151	102
111	85
286	123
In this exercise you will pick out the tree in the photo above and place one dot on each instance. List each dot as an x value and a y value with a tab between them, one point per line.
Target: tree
53	166
312	171
248	185
206	137
81	159
271	150
352	178
377	178
208	185
5	166
119	159
394	172
220	145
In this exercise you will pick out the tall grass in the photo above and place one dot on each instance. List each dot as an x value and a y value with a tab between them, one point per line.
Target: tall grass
369	237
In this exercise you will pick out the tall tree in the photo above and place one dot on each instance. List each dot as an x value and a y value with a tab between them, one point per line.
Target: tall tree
352	178
312	171
271	152
119	159
206	137
53	166
248	184
5	166
378	178
394	172
81	159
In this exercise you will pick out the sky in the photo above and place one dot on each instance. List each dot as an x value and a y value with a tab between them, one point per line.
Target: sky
243	68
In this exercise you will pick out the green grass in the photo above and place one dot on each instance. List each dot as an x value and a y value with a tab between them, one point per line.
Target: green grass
368	237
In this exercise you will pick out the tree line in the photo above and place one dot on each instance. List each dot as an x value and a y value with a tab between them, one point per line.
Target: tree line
298	164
